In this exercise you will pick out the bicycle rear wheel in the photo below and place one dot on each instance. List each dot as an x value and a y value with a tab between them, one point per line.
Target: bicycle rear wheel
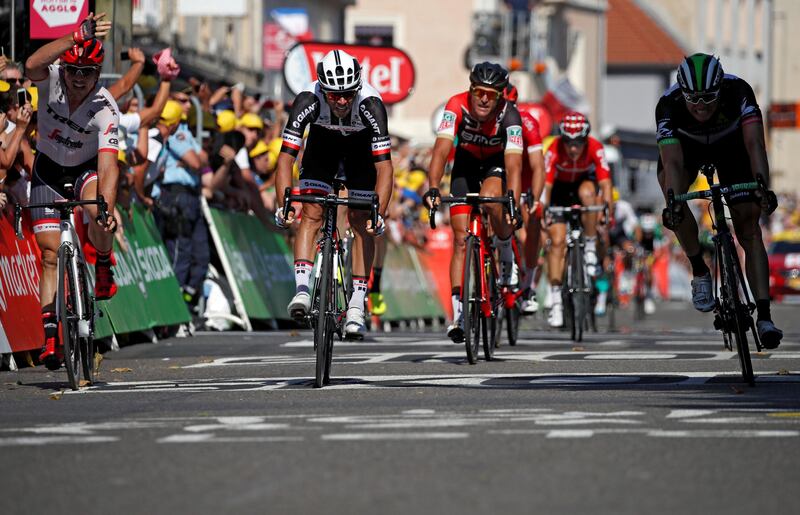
740	319
323	332
471	299
578	295
490	332
68	317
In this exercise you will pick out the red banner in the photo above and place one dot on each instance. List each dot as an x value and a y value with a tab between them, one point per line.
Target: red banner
435	260
20	266
51	19
387	69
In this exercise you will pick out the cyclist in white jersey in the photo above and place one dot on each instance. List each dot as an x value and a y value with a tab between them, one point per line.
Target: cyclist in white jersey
77	144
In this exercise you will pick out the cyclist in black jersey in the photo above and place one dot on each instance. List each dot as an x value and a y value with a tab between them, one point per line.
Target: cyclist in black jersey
348	138
710	117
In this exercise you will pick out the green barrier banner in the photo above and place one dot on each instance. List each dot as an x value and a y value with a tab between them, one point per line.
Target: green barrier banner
407	292
148	294
258	263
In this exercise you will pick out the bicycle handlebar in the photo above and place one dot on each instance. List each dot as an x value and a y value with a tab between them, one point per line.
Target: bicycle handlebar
474	199
61	207
372	204
724	190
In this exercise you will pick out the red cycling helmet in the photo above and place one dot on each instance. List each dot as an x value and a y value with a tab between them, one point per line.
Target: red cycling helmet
88	53
511	93
574	126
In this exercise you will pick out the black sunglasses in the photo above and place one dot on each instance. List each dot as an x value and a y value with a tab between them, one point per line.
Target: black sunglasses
84	71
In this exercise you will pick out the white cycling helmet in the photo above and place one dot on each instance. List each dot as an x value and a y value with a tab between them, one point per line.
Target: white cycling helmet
339	71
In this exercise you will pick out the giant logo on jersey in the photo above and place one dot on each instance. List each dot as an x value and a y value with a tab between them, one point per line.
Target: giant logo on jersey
389	70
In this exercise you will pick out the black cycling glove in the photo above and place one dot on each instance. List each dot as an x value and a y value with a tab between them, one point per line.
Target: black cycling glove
769	202
432	194
671	218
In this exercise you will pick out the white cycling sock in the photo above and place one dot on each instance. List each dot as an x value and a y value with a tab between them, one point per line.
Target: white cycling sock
456	306
359	292
591	244
302	275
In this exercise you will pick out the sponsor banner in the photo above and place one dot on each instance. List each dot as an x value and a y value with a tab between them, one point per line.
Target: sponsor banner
20	266
276	42
5	346
228	8
435	261
148	294
784	116
51	19
387	69
258	263
409	294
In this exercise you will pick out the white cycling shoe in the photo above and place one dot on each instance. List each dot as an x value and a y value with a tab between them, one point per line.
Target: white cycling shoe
529	303
299	306
354	326
455	331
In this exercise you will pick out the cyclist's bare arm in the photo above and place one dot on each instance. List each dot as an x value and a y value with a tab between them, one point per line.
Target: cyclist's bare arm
37	63
753	134
384	183
513	164
283	175
672	159
441	149
536	160
108	176
606	189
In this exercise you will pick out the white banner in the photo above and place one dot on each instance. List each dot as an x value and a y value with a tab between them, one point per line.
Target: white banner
232	8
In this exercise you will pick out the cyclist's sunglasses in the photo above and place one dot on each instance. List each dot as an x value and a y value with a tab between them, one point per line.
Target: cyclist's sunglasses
334	96
575	141
696	98
83	71
477	92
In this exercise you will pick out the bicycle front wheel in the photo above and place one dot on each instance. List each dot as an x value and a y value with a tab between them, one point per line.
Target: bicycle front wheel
740	318
87	346
66	307
577	287
471	299
323	332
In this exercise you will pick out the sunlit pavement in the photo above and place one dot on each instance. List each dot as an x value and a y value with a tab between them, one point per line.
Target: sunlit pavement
652	418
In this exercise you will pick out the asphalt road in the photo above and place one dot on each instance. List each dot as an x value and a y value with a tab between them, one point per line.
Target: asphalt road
650	419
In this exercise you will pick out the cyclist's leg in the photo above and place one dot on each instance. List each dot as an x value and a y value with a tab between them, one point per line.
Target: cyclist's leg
687	231
460	185
46	230
377	303
86	189
587	193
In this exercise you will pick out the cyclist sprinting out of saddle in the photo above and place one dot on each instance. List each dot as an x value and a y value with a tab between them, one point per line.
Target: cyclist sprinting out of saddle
78	145
348	139
488	160
709	117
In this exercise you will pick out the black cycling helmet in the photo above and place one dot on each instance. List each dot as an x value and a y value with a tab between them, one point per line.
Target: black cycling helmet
489	75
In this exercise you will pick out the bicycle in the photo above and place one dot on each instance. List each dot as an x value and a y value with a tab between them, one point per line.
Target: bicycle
330	297
74	294
732	314
577	283
480	293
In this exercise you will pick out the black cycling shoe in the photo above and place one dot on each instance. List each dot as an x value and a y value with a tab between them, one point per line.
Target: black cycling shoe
455	332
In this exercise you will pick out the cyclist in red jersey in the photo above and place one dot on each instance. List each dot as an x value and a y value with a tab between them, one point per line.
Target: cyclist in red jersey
576	167
532	185
488	159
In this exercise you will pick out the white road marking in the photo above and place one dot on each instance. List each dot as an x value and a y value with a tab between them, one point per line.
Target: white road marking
570	433
686	413
495	381
55	440
450	356
394	436
211	438
722	433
